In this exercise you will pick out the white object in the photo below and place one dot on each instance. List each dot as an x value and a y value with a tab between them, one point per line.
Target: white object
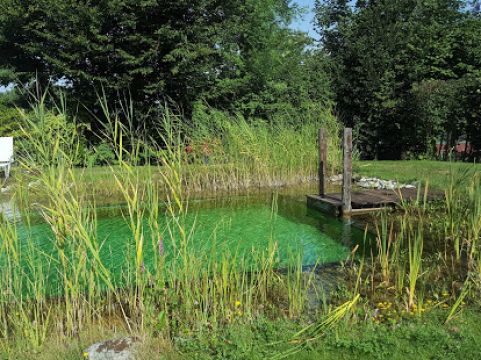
6	154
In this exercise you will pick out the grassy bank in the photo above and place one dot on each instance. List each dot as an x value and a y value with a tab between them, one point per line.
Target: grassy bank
418	284
218	176
217	151
438	172
57	287
417	338
421	338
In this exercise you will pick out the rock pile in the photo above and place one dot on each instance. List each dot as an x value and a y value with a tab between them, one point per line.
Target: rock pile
372	183
375	183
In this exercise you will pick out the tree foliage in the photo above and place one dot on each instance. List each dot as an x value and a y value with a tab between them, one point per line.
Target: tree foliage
10	120
236	55
402	69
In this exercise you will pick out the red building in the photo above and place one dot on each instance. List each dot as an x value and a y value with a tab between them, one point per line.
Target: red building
460	149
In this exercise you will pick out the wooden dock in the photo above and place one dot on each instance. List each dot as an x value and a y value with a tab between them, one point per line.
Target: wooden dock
350	203
369	200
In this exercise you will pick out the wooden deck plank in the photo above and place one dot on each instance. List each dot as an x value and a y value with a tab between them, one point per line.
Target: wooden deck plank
370	199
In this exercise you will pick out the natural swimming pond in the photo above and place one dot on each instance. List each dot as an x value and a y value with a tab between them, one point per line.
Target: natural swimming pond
235	226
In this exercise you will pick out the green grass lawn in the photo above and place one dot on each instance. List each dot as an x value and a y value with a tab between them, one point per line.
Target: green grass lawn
406	171
437	172
101	180
420	338
424	337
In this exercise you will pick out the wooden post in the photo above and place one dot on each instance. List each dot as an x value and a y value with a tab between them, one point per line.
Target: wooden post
347	173
322	161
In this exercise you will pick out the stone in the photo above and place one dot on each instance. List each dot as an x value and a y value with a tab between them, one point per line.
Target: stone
336	178
34	184
116	349
277	183
5	189
374	183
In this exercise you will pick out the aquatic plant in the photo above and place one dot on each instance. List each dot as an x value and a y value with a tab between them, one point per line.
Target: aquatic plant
62	292
163	285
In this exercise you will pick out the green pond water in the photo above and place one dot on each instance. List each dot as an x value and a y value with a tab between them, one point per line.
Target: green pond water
236	225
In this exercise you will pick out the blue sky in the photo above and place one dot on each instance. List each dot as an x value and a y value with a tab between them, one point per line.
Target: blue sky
305	24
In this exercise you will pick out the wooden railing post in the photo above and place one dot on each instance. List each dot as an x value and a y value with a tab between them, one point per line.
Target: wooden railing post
347	173
322	161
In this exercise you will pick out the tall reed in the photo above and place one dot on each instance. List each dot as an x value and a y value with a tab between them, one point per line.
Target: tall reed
163	283
415	235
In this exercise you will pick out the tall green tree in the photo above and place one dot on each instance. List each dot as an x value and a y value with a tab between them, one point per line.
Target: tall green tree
9	115
153	49
236	55
397	66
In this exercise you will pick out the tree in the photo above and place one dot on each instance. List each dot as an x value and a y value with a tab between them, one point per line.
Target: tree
152	48
9	115
387	54
236	55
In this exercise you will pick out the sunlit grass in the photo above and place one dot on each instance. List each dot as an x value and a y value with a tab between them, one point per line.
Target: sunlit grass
409	171
61	293
424	257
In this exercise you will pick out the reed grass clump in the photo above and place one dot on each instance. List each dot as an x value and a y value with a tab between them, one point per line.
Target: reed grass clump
425	257
61	285
244	152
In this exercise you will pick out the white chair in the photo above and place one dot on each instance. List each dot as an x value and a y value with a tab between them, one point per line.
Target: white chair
6	154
